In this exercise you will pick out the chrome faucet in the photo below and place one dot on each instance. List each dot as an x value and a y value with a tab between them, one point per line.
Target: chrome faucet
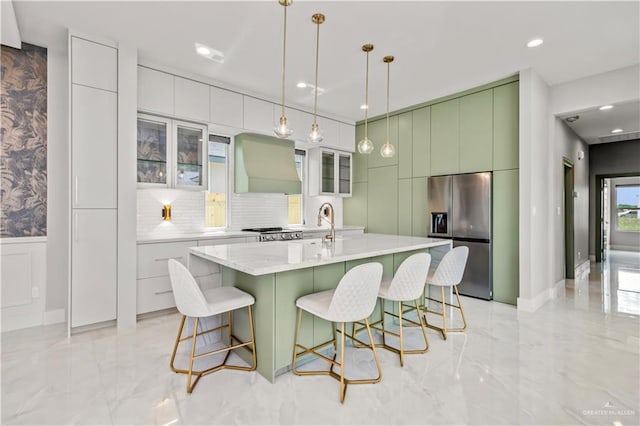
326	209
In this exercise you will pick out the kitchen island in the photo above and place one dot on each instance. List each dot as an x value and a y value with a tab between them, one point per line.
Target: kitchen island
277	273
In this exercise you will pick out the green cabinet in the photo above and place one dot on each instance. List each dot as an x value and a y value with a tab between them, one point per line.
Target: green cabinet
404	149
505	236
404	207
378	135
505	126
421	142
445	137
476	132
355	207
418	207
382	200
360	161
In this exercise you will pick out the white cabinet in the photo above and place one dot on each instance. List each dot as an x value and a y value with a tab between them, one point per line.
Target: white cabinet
94	151
191	99
154	291
171	153
226	108
329	129
153	285
93	266
94	64
346	137
329	172
155	91
259	115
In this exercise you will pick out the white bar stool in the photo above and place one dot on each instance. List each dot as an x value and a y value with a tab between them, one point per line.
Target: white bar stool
192	303
449	273
354	299
407	285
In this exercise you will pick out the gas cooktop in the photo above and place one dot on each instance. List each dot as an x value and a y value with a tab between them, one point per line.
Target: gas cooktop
276	234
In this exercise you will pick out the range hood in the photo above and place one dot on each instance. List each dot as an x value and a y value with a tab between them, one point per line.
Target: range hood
265	164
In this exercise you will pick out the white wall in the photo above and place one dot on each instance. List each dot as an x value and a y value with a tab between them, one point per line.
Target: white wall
617	86
566	144
535	206
57	262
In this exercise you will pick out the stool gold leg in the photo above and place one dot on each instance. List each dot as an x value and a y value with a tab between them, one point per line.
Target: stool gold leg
464	320
423	326
295	342
343	386
444	314
175	346
375	354
401	335
193	353
382	313
253	339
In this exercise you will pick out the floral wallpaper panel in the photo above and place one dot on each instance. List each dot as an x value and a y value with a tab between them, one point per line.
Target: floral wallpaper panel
23	156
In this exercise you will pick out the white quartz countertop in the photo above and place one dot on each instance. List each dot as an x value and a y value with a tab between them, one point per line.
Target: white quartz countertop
279	256
193	236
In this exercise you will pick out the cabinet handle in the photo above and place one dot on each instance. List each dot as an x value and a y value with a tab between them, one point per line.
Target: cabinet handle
163	259
158	293
75	227
75	196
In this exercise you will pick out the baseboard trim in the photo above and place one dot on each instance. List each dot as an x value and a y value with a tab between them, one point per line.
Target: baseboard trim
620	247
583	268
56	316
535	303
592	258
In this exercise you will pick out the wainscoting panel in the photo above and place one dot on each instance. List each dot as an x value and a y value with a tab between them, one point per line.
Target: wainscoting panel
24	282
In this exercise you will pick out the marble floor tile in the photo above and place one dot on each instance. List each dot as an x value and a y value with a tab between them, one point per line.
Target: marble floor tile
574	361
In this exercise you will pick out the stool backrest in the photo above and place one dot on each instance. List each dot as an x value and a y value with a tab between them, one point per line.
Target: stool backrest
356	294
408	281
189	298
451	267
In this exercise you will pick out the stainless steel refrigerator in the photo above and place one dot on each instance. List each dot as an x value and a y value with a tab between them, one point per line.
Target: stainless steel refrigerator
459	207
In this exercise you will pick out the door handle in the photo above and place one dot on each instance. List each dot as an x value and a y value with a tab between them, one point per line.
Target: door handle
163	259
158	293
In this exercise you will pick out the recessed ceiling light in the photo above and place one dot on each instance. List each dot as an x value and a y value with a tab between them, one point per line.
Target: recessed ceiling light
605	107
363	106
573	118
535	42
301	85
202	50
617	131
209	53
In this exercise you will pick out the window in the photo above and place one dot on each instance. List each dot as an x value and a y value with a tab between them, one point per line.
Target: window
216	195
628	208
296	207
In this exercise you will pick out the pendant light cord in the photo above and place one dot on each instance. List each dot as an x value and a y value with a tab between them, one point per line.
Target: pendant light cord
284	54
366	97
388	70
315	98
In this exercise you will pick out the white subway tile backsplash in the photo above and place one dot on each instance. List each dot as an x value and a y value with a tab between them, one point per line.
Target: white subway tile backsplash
187	211
258	211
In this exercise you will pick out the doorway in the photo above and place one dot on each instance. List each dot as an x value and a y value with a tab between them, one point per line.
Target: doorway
569	241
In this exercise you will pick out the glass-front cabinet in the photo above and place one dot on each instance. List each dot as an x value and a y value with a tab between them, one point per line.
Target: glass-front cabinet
171	153
329	172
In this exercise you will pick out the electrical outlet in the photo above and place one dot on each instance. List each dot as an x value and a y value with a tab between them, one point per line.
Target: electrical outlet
579	255
558	211
35	292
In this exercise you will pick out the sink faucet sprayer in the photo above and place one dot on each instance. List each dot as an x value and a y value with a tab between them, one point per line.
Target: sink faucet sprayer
326	209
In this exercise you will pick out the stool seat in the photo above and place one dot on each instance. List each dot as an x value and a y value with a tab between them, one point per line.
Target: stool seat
225	299
317	303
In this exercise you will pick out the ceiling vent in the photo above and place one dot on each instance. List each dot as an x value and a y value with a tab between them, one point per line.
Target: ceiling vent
620	137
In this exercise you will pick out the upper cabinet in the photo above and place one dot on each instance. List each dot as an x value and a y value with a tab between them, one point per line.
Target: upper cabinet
226	108
155	91
476	132
171	153
330	172
445	133
191	99
505	126
94	64
165	94
259	115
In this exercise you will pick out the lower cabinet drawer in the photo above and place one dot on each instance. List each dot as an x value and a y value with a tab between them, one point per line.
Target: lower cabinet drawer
153	258
154	294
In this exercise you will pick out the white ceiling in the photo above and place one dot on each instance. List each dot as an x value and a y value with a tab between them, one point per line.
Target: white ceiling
595	126
440	47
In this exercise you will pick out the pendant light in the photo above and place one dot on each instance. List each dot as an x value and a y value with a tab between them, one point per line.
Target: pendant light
365	146
316	135
283	130
387	150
